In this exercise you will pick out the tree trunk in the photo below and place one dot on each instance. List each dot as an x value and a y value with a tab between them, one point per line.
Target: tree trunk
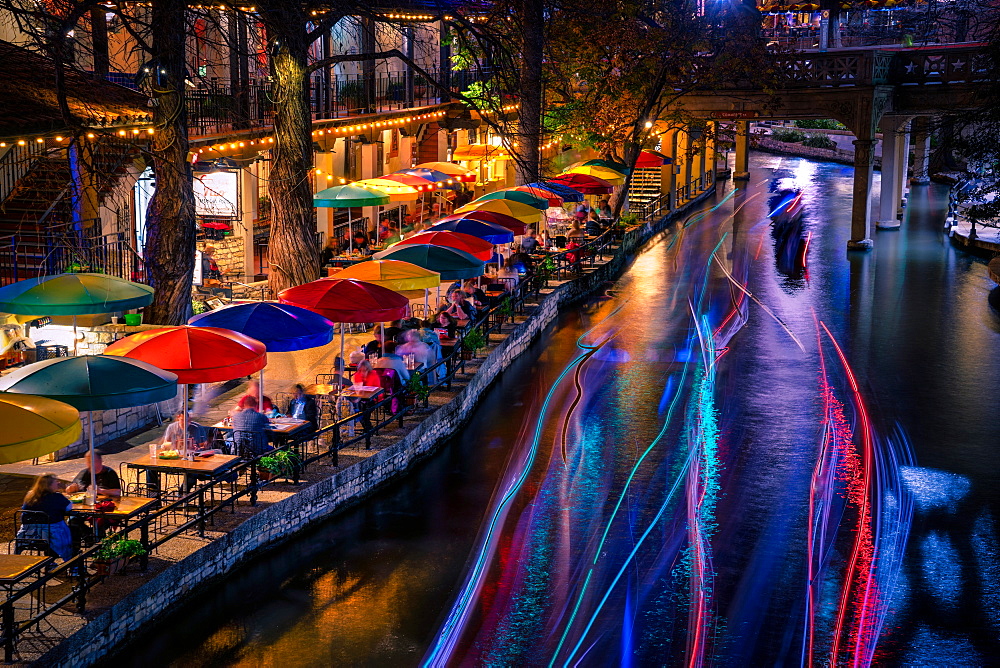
529	130
99	40
170	230
292	250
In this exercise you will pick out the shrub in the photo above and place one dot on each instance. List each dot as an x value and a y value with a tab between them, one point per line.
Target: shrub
820	124
819	141
788	136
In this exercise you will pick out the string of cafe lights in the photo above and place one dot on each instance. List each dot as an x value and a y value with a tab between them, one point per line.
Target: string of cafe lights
134	133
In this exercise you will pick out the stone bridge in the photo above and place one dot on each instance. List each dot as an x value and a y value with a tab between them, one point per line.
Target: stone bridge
894	89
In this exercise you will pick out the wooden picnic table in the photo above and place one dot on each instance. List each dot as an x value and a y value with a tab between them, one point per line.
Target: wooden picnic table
126	507
16	567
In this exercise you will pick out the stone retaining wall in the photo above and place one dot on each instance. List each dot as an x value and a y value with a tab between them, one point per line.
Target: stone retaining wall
282	520
827	154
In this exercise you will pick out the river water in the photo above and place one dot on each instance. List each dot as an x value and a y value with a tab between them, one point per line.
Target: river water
754	448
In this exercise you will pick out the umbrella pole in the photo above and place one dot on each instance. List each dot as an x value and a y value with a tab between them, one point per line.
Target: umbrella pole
438	296
92	490
74	336
184	420
343	370
427	314
260	392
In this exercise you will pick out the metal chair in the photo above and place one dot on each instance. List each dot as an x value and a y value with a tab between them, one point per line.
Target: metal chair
33	533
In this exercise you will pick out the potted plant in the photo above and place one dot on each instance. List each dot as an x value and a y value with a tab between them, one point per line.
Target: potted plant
506	310
278	464
472	342
113	553
416	389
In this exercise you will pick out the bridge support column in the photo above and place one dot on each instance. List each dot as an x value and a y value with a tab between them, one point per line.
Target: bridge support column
921	151
683	165
697	165
861	224
741	171
712	147
888	201
668	173
903	163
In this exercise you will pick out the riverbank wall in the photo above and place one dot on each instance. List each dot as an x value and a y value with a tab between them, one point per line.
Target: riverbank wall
269	528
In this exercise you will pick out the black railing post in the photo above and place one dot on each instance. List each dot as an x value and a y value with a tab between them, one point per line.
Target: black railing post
81	585
9	639
254	482
335	444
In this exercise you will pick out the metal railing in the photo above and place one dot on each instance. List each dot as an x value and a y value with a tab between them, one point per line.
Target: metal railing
15	163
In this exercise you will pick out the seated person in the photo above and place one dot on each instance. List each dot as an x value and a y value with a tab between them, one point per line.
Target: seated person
270	410
393	331
457	307
253	391
365	375
594	225
373	347
529	242
447	323
172	435
422	353
521	263
475	293
390	360
44	497
303	407
108	483
249	435
576	232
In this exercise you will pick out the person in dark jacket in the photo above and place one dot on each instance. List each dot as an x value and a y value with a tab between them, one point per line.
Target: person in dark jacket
303	407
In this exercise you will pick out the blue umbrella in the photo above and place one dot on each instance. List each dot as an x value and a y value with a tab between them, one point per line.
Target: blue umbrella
280	327
495	234
568	194
433	175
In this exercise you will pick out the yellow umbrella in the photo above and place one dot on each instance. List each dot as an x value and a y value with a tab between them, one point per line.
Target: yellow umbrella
397	192
609	175
408	279
35	426
523	212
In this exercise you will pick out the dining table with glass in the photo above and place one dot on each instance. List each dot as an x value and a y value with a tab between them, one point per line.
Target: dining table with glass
124	508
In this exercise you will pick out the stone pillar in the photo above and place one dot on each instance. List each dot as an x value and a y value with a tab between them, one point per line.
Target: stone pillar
707	161
668	173
684	164
324	215
861	205
369	160
903	162
697	165
888	202
741	172
406	143
921	151
250	194
712	149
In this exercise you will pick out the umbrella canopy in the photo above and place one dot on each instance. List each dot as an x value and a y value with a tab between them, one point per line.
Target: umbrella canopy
280	327
494	234
345	197
523	212
451	169
397	192
392	274
474	246
35	426
568	194
517	196
649	159
438	179
73	294
588	185
347	300
613	177
93	382
609	164
547	195
503	220
451	263
195	354
418	182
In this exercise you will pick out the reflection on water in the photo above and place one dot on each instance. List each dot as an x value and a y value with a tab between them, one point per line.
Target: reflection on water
722	463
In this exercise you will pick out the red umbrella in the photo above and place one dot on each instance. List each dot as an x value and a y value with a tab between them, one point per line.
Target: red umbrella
588	185
649	159
511	223
474	246
195	354
347	300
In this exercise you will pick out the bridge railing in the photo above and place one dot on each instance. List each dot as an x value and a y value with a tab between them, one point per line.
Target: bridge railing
851	68
920	67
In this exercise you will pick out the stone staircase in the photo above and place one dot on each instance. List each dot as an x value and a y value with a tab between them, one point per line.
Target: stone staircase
645	187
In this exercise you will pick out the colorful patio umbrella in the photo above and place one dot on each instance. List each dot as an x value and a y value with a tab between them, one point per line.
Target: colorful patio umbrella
405	278
417	182
474	246
550	197
280	327
349	197
648	159
451	169
93	383
495	234
612	176
451	263
619	167
35	426
568	194
588	185
503	220
195	354
517	196
439	179
73	294
396	191
523	212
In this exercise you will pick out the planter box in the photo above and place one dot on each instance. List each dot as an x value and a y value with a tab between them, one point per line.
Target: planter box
105	567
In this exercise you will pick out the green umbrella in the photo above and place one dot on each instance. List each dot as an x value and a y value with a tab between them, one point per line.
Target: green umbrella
348	197
93	383
517	196
610	164
73	294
